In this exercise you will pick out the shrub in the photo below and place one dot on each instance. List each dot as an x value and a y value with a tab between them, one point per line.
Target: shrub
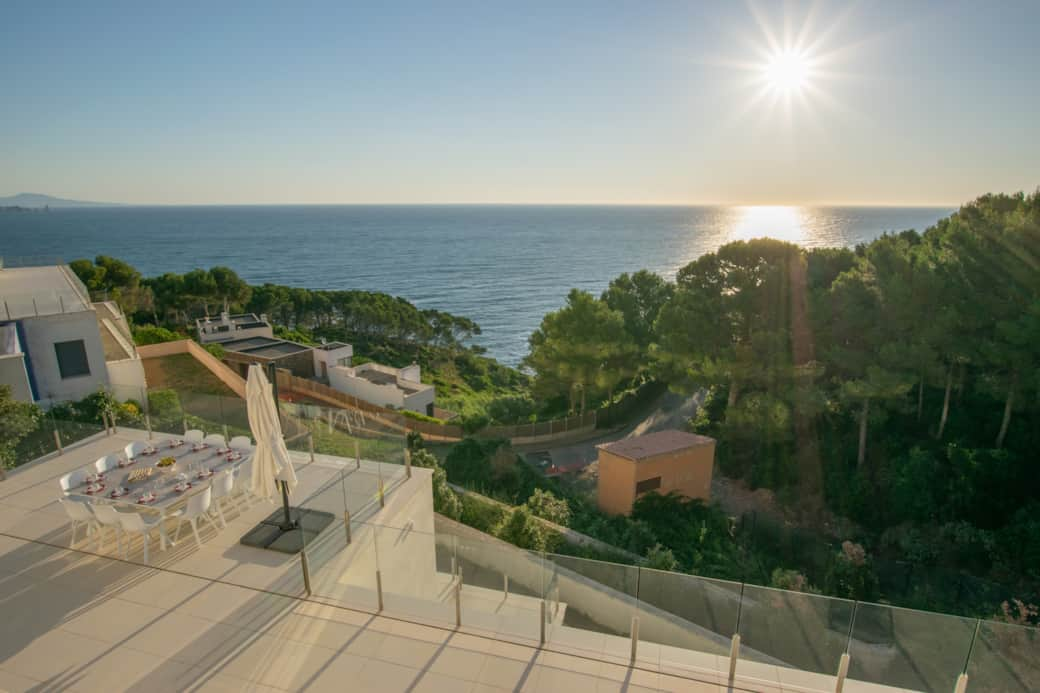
547	506
660	558
152	334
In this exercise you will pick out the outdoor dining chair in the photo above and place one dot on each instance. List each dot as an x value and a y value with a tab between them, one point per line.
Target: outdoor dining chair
108	516
215	440
194	436
138	523
72	479
80	514
106	463
195	510
135	448
222	488
240	443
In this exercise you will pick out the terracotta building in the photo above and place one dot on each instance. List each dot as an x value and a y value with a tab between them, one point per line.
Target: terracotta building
664	461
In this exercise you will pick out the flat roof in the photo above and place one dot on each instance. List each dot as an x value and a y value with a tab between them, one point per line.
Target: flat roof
31	291
265	347
653	444
329	346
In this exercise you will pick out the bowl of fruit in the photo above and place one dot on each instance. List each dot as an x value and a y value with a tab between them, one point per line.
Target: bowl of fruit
166	463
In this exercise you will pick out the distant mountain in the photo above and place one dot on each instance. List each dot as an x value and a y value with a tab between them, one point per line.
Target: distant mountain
37	200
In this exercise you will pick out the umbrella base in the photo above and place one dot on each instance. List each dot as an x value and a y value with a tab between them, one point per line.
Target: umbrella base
270	534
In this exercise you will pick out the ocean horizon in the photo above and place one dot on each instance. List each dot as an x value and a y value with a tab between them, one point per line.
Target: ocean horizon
503	265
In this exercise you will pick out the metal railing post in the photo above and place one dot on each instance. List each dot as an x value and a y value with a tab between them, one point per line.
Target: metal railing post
379	590
408	463
306	572
184	421
148	424
310	445
542	631
458	602
734	654
57	441
505	586
357	454
962	680
843	663
346	524
635	636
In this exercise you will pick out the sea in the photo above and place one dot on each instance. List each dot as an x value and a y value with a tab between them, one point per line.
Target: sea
503	266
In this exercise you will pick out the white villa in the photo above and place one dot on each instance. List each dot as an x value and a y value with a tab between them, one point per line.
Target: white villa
394	388
56	344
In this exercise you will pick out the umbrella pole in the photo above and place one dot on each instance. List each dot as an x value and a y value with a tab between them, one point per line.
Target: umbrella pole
288	523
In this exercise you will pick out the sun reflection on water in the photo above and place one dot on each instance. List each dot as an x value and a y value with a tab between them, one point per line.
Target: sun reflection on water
780	222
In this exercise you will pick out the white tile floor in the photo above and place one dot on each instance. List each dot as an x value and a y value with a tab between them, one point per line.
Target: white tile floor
77	621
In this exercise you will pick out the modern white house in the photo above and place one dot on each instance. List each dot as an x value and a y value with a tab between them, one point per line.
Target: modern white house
396	388
56	345
228	327
329	355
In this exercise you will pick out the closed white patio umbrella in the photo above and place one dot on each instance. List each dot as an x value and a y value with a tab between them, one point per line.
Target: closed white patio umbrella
271	461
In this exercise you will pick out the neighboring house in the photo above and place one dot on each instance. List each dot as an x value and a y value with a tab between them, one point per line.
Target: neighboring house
396	388
56	345
330	355
290	356
228	328
664	461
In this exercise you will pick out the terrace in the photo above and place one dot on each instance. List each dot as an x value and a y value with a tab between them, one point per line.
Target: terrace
395	598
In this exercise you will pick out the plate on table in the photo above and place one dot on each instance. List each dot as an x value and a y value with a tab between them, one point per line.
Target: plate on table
95	478
94	488
233	456
119	492
204	474
182	487
150	450
127	462
176	443
146	498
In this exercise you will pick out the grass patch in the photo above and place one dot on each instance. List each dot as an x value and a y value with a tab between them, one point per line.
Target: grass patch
182	372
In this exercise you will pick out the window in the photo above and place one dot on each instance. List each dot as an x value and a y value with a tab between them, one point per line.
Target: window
72	358
648	485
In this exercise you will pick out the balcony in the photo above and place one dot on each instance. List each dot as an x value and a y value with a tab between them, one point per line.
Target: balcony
392	597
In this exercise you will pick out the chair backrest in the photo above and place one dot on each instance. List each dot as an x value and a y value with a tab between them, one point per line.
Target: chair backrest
132	522
72	479
198	503
214	439
107	515
106	463
77	510
194	436
135	448
240	443
222	484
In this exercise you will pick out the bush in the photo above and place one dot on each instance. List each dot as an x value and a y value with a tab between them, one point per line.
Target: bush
660	558
165	409
523	530
547	506
480	514
152	334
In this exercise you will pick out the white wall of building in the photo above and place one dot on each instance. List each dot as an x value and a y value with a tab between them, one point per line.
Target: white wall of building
419	401
331	358
12	373
343	379
126	378
41	334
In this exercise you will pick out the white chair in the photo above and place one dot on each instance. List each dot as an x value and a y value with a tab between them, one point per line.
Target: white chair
142	524
108	516
80	514
197	508
72	479
243	484
214	440
135	448
240	443
194	436
106	463
222	488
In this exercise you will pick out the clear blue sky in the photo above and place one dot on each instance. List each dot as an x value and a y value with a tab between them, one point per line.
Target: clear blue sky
614	102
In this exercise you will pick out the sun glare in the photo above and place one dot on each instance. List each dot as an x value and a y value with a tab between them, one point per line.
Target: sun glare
781	222
787	71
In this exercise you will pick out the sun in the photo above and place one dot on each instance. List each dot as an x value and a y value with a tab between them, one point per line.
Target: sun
787	71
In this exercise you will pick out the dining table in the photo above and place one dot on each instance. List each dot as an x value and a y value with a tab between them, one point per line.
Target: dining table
190	467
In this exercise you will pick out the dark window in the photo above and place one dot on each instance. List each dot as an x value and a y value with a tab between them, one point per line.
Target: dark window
648	485
72	358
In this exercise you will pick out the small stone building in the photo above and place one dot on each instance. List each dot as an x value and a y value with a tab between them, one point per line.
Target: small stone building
664	461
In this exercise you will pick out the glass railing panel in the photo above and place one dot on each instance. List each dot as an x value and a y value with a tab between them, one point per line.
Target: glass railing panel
905	648
597	601
412	587
690	620
1005	657
792	630
501	588
341	560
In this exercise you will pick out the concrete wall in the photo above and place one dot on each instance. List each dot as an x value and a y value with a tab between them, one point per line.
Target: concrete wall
186	346
41	334
127	379
12	373
419	401
343	379
685	471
